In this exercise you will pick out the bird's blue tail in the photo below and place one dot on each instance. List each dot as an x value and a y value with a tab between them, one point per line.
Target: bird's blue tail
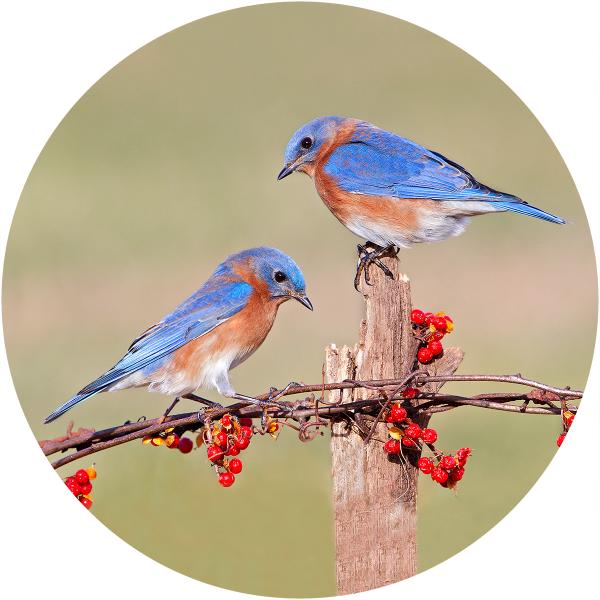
526	209
61	410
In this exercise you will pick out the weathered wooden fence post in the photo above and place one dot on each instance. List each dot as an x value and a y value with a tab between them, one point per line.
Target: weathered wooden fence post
374	497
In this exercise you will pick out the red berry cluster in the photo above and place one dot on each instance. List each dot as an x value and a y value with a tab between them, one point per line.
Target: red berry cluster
567	419
80	485
403	431
430	328
406	434
449	469
170	439
224	439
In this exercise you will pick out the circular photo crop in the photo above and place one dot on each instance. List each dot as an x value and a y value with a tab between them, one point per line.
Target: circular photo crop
350	275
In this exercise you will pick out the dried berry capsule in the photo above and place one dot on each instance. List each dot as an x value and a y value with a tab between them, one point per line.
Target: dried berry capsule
439	475
172	441
392	447
429	436
226	479
424	355
235	466
413	431
185	445
417	316
448	462
425	465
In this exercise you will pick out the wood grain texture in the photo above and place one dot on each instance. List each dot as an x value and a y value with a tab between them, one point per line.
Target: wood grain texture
374	496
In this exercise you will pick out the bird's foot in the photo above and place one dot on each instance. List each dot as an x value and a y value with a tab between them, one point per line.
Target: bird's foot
263	403
371	254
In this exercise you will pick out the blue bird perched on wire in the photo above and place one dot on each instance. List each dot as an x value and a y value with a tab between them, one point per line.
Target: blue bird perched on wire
390	190
214	330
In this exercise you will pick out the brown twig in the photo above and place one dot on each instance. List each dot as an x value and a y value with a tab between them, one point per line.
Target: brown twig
89	441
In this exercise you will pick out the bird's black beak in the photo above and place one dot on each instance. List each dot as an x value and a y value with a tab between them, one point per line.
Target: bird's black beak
304	301
287	170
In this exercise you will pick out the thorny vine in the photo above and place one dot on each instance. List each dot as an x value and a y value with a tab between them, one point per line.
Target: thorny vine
312	413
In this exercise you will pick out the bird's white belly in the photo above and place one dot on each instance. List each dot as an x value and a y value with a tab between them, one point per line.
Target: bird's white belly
205	368
430	226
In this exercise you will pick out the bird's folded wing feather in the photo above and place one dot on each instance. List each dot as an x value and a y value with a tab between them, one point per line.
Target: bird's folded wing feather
202	312
378	162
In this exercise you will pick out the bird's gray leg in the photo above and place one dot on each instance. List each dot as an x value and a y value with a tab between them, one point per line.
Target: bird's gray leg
202	400
166	413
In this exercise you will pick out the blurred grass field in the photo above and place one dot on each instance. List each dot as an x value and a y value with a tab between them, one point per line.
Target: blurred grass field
168	164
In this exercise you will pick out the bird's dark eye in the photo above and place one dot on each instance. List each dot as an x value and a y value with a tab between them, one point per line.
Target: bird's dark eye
279	276
306	143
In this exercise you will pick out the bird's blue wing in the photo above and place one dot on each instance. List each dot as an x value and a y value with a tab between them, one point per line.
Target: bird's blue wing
216	301
378	162
210	306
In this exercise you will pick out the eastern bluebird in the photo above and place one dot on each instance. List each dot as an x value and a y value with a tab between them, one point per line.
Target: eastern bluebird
214	330
390	190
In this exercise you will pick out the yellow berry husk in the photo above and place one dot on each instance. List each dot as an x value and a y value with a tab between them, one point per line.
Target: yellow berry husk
91	472
146	440
169	440
169	429
395	433
157	441
449	326
440	314
200	439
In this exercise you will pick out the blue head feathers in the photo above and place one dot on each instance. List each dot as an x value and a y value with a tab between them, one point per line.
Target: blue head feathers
307	141
276	269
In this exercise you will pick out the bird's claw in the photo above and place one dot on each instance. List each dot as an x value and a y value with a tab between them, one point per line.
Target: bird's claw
372	257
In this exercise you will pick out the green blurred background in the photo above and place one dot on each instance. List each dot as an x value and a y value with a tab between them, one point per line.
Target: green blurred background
168	164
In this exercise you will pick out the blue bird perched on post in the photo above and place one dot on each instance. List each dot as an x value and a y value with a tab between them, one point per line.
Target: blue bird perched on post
390	190
214	330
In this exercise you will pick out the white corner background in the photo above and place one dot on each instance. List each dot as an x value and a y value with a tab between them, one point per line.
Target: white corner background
53	51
